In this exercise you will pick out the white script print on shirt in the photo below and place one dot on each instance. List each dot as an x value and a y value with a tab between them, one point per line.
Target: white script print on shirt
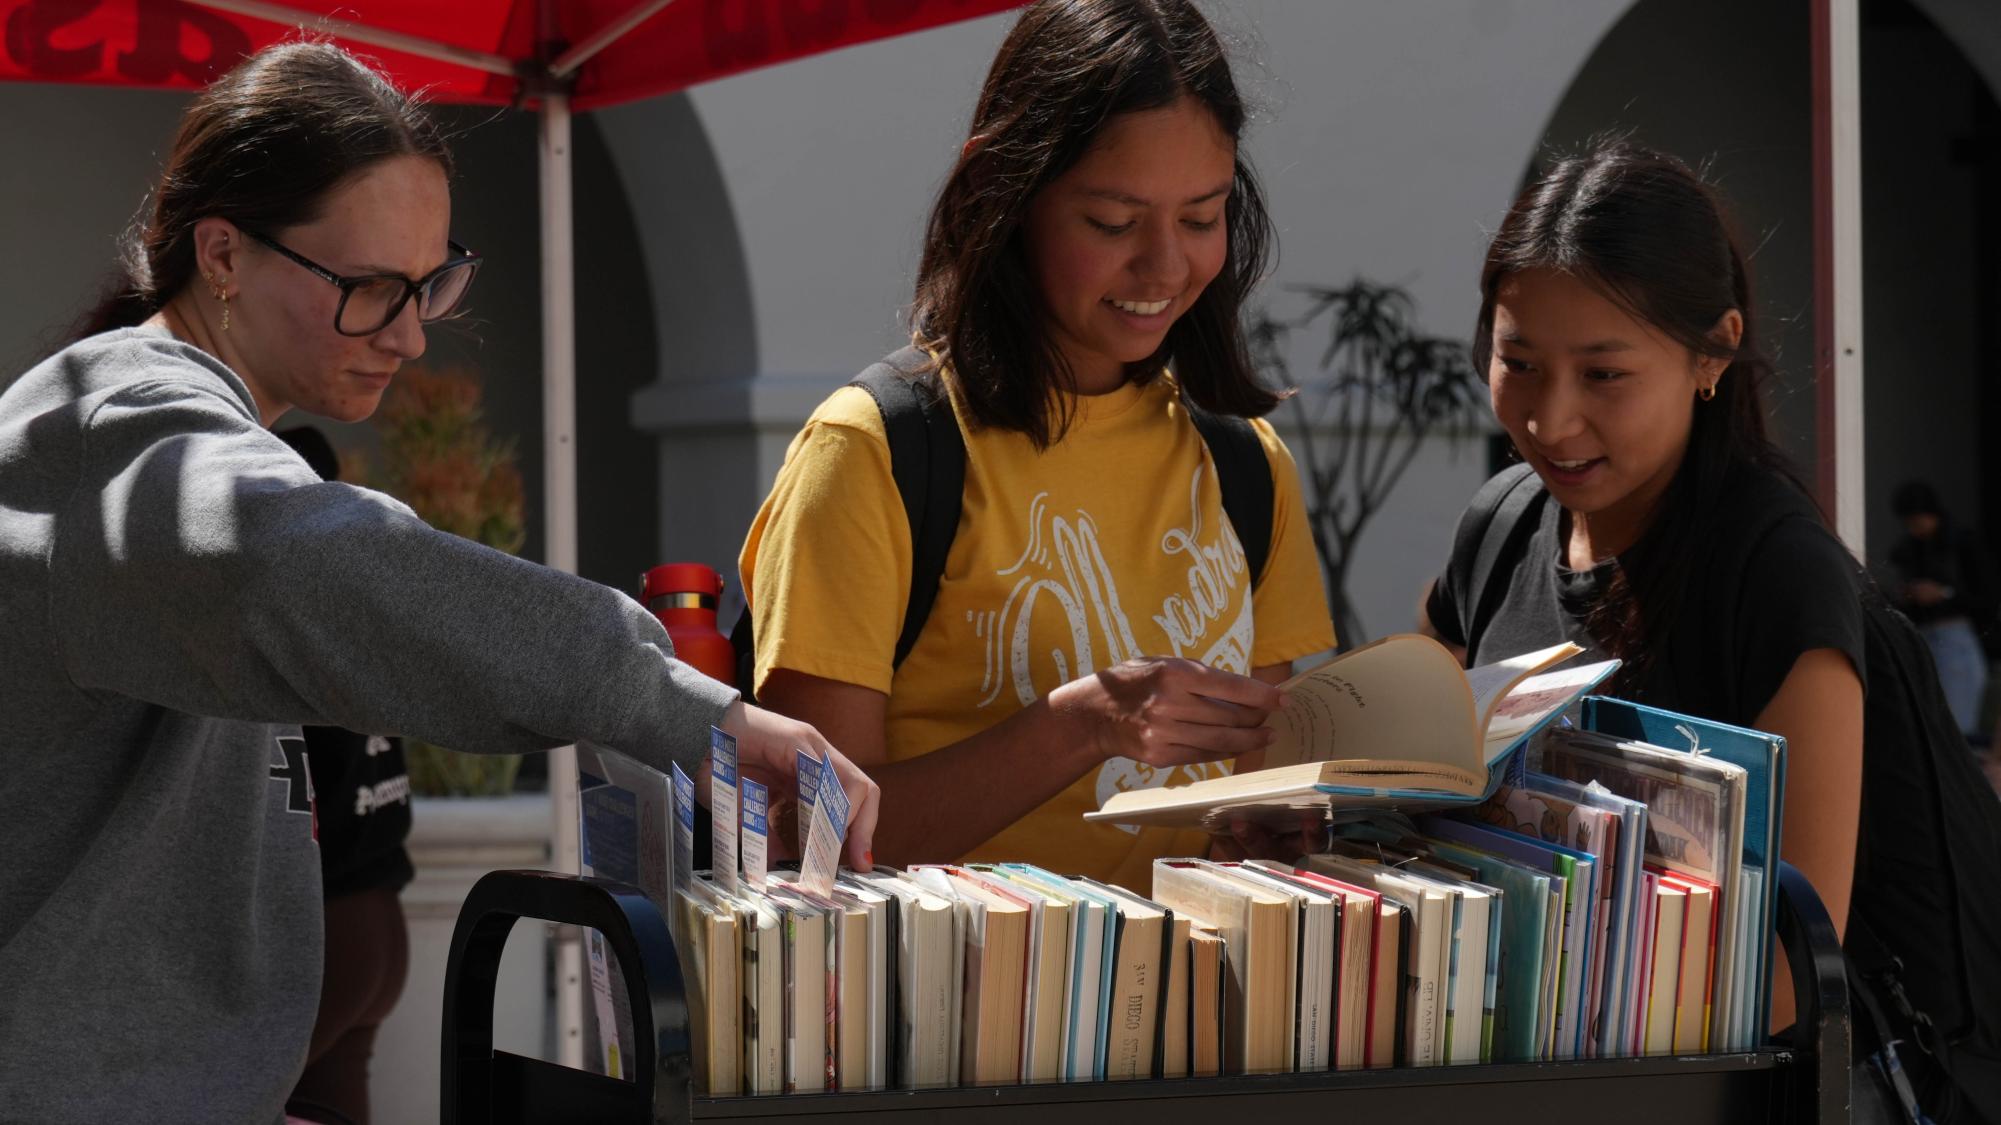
1064	566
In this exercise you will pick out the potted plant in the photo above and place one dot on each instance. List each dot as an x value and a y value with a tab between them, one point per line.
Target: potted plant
1381	387
439	457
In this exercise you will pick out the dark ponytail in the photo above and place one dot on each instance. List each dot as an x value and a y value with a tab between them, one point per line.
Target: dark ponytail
262	147
1644	230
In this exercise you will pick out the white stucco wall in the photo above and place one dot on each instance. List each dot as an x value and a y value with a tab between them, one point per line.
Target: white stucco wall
1392	137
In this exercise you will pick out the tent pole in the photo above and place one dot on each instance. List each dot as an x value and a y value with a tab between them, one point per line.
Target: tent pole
320	23
570	61
1837	266
559	506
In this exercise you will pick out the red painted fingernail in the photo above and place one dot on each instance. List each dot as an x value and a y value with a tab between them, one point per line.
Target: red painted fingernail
869	857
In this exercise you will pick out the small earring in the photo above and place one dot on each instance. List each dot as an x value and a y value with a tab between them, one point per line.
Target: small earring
1707	393
222	295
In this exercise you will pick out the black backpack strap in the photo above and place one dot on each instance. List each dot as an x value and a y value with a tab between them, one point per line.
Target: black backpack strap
1243	475
1494	523
927	455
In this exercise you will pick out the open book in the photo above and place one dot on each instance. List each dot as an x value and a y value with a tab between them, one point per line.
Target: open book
1394	723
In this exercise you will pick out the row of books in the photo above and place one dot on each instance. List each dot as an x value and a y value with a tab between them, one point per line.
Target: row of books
946	975
1608	898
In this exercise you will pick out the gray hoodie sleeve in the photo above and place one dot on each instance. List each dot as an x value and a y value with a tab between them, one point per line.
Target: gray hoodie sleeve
200	565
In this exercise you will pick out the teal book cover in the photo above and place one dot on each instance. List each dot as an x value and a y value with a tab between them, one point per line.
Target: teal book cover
1763	758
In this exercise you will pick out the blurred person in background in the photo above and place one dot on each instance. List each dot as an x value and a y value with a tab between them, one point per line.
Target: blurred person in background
1945	583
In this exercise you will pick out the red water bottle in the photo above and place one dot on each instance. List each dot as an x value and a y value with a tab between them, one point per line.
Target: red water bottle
683	596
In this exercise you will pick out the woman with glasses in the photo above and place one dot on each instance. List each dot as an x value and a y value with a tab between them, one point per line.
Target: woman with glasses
179	591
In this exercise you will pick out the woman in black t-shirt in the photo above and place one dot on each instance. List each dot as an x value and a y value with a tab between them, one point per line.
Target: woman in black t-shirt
1654	520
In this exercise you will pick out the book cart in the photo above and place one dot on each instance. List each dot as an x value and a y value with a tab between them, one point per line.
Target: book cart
1805	1082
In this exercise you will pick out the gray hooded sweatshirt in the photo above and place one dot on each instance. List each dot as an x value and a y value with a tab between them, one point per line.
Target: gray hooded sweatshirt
178	592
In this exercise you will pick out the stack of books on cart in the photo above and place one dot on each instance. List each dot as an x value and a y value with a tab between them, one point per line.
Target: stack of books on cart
1603	894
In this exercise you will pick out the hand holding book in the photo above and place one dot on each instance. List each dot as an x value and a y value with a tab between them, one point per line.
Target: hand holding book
1166	711
1396	723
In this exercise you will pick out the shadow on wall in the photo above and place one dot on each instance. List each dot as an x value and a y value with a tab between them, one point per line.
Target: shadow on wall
685	235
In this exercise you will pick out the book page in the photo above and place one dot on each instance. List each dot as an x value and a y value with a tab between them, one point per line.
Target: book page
1490	682
1535	699
1403	698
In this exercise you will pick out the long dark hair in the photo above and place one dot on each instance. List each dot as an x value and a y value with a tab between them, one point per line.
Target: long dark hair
1645	230
1067	68
263	147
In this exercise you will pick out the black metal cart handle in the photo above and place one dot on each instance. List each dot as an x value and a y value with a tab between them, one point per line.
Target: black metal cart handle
482	1085
1823	1025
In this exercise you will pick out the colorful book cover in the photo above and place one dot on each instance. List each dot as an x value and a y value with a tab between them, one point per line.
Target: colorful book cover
1763	759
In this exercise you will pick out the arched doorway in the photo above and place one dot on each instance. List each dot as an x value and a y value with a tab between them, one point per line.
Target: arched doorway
1728	87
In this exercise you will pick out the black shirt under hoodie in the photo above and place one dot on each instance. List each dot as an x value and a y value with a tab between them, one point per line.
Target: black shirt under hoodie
363	791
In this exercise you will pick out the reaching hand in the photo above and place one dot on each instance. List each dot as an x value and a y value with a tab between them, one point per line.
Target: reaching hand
766	745
1165	711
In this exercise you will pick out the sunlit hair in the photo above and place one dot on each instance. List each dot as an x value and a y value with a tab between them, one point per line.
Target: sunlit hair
1066	70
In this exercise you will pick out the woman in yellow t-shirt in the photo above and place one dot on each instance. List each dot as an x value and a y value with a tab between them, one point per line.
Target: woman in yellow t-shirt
1095	628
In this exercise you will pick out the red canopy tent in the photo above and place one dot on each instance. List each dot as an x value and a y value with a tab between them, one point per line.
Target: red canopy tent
596	52
547	55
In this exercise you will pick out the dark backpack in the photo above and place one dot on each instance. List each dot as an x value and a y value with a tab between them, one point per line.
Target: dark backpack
1924	941
927	456
1924	946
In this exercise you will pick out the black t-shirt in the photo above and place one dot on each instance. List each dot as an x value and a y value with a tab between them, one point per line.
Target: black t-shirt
361	792
1769	584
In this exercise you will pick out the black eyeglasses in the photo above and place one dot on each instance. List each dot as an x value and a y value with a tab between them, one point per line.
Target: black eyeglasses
368	304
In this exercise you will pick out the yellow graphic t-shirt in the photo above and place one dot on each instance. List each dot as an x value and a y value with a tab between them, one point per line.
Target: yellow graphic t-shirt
1110	544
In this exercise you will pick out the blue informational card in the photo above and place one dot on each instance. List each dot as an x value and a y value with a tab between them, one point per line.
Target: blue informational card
723	808
684	829
756	832
827	830
809	793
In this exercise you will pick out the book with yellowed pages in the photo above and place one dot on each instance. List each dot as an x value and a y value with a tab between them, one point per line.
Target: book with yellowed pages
1208	972
1138	976
1260	972
1436	735
1050	947
853	986
996	967
1354	963
1317	949
929	968
713	972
